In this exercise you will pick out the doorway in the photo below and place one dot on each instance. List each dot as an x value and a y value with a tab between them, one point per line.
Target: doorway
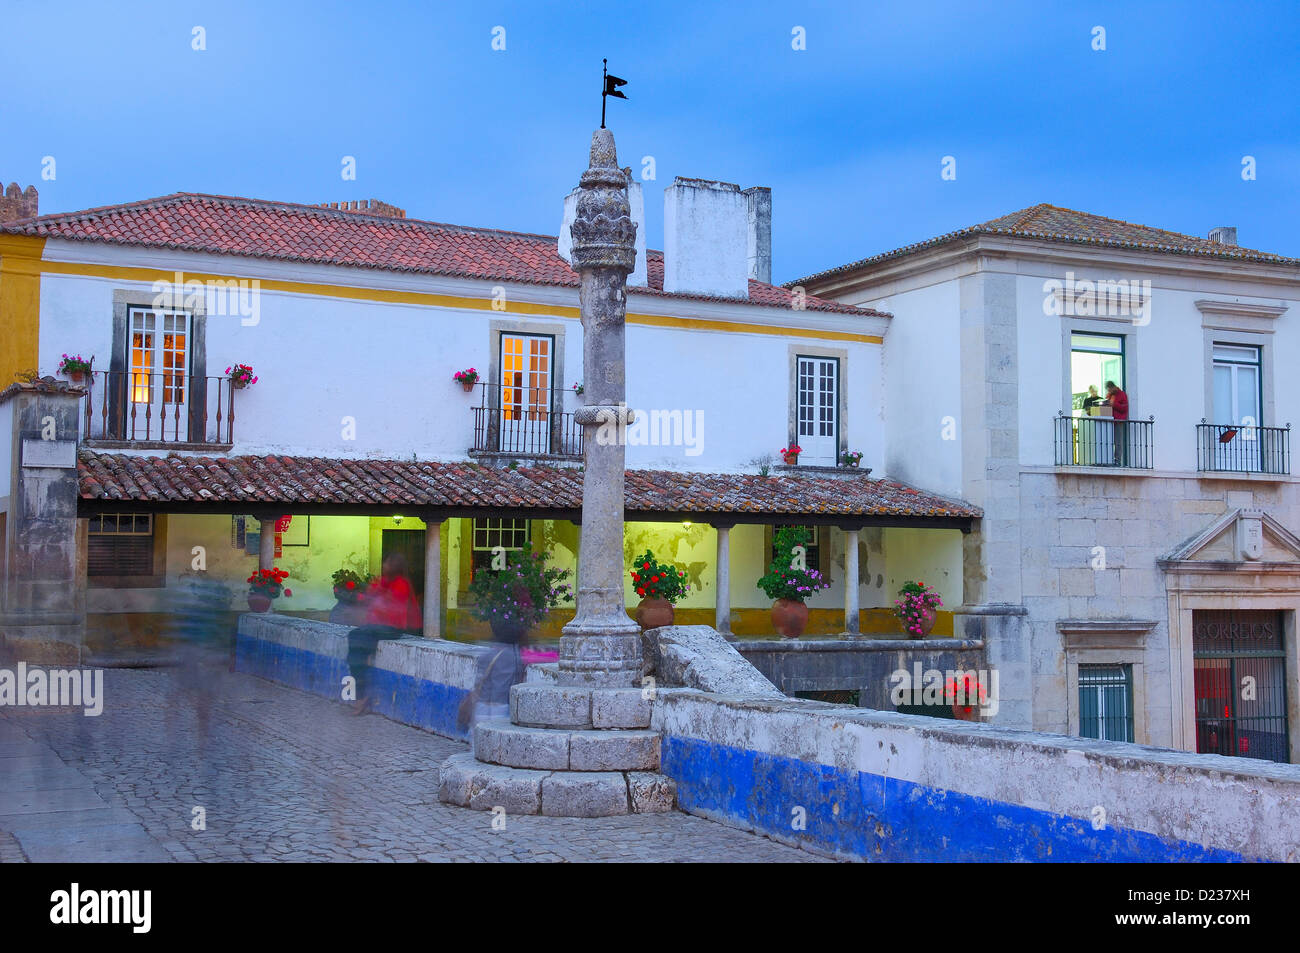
1239	673
410	544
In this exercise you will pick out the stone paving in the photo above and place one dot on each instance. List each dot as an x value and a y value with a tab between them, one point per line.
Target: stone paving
280	776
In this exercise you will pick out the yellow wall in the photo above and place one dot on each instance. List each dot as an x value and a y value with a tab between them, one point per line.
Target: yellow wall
20	305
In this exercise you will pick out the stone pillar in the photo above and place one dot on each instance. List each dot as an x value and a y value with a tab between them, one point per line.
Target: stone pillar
266	550
722	600
602	645
852	625
43	577
432	579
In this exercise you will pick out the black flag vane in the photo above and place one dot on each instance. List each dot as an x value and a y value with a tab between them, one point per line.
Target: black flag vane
612	83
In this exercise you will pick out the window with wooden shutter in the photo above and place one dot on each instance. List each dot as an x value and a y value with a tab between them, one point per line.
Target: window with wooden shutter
120	544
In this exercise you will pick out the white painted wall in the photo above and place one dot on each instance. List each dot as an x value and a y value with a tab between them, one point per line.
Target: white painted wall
706	233
1166	363
389	367
922	386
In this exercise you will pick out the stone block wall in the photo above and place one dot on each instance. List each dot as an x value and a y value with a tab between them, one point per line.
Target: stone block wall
1088	550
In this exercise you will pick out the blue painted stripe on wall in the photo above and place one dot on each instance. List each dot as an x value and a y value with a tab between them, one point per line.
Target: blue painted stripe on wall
412	701
887	819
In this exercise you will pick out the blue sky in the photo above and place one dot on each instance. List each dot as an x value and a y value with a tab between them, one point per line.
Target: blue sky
849	133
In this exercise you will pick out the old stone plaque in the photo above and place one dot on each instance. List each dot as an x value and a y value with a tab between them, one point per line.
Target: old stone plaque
1250	538
50	453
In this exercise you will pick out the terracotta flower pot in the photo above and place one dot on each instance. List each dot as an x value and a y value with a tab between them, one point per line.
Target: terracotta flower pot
259	603
468	385
791	459
789	617
238	383
76	376
965	712
653	613
512	633
928	617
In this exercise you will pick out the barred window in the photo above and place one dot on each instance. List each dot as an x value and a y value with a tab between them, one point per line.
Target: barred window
1106	702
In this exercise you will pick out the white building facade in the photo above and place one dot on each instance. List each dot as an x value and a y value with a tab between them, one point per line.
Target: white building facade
1139	580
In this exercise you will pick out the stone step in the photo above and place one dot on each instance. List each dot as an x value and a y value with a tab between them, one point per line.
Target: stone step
550	749
467	782
541	705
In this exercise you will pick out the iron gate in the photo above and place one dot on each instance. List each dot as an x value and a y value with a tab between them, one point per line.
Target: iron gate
1239	668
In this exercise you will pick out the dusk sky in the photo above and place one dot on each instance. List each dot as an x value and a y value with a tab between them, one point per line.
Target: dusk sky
849	133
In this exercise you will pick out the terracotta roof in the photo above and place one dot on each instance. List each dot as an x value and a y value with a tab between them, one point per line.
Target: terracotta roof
310	480
1052	223
225	225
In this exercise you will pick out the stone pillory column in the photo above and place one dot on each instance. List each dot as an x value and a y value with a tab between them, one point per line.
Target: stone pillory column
602	645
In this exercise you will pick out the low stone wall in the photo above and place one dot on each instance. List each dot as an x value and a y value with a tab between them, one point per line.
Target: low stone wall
864	665
882	786
417	681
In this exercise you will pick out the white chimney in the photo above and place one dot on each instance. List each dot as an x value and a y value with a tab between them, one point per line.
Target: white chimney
706	237
636	199
1224	235
759	247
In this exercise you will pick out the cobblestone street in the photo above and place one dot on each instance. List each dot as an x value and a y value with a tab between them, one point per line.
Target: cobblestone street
280	776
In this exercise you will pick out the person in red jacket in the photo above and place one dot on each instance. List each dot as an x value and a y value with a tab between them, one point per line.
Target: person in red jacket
392	611
390	600
1117	401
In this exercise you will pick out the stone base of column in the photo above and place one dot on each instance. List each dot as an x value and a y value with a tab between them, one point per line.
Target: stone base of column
598	657
566	751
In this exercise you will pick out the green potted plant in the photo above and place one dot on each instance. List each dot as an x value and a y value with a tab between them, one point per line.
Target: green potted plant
659	585
76	367
265	585
789	581
514	599
851	458
915	608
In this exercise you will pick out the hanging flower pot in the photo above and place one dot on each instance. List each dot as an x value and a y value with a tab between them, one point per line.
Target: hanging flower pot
789	618
241	376
653	613
76	367
466	378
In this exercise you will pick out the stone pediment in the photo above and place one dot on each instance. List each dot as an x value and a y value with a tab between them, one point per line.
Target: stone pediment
1243	536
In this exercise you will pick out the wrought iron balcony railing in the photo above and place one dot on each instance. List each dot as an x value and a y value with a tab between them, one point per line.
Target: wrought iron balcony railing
1237	448
163	407
1104	442
530	421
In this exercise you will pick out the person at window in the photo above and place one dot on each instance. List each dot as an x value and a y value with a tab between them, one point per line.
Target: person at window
392	611
1117	401
1092	398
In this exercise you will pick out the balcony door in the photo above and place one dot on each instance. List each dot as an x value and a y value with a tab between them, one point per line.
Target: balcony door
818	410
524	424
1237	403
156	385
